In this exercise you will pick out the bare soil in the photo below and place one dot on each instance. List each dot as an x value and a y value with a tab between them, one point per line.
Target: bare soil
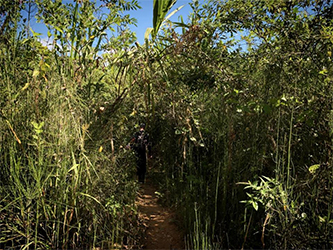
161	232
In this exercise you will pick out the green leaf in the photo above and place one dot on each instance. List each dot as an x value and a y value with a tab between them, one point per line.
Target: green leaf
322	219
178	132
161	8
35	34
147	33
171	14
267	109
323	72
89	196
255	205
58	29
35	73
313	168
182	25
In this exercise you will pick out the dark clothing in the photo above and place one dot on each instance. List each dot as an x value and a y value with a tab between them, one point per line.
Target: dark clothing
140	145
141	163
141	142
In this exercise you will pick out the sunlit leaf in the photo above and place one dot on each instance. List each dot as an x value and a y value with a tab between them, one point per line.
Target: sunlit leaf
313	168
161	8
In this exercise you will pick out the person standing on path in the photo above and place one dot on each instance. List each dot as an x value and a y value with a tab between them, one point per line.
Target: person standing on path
140	143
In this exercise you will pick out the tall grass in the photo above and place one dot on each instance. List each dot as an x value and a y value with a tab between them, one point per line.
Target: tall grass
60	188
263	122
201	181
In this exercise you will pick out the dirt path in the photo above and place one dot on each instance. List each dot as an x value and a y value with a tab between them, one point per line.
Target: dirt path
161	231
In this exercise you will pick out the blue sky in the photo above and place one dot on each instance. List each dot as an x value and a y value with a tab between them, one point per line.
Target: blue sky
144	17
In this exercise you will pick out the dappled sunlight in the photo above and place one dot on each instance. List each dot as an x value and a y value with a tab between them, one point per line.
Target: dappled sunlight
161	231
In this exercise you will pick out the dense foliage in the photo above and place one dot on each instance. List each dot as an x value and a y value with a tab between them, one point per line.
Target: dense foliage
244	97
62	185
237	100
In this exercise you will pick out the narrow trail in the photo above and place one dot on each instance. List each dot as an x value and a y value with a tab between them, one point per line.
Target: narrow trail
161	231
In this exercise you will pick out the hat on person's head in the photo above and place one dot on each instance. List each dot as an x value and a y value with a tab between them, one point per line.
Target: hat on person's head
142	125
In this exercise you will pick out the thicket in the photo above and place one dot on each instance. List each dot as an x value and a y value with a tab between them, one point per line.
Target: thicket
243	123
62	184
237	100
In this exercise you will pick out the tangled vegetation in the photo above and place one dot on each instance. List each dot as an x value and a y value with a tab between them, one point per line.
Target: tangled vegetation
237	100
